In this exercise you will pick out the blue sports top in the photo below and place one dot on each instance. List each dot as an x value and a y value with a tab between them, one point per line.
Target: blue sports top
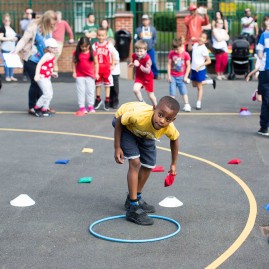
264	46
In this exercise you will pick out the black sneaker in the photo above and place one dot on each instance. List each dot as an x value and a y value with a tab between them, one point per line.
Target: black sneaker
46	113
214	84
35	112
263	131
137	215
97	103
144	205
106	106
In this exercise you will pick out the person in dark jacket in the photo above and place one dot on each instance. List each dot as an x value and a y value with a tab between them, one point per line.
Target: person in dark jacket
147	33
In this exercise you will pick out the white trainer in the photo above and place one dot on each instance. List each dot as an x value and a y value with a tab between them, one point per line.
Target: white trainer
198	105
187	108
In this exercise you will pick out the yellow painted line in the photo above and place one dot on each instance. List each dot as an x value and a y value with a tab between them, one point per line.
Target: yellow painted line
54	132
251	217
251	199
112	113
61	113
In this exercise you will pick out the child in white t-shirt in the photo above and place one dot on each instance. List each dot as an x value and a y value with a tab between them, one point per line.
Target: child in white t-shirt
259	66
200	59
114	90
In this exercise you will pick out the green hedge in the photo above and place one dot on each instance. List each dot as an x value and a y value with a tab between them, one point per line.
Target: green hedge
165	21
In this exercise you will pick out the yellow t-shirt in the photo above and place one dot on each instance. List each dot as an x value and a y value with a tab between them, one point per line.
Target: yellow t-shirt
137	116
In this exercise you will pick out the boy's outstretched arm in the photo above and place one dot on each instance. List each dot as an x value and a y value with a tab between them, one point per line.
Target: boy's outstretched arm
119	156
174	156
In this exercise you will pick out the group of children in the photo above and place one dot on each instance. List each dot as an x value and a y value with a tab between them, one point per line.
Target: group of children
179	67
93	65
98	63
137	124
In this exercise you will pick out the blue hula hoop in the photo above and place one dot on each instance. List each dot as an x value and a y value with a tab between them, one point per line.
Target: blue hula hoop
134	240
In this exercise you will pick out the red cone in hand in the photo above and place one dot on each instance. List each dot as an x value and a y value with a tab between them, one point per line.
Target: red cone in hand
235	161
169	180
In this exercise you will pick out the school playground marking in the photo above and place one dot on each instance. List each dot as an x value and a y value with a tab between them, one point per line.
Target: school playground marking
181	113
251	199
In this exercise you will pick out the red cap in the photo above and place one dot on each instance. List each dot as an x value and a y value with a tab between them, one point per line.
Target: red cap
192	7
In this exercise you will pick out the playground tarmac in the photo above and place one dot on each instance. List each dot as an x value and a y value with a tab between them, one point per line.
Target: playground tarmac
223	204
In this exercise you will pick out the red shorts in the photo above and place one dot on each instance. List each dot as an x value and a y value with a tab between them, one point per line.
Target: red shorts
147	84
104	78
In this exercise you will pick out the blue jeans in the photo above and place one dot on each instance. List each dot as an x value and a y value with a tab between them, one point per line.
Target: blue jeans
177	82
264	90
154	67
8	71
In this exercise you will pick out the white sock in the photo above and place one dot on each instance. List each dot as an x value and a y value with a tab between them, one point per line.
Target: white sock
209	81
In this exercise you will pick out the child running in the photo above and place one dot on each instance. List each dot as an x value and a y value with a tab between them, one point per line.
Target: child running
143	74
85	70
43	73
137	126
104	51
200	59
178	69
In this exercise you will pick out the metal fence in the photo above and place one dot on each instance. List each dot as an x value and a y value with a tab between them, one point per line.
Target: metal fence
162	13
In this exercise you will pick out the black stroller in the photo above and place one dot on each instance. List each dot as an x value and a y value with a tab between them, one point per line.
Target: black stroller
239	59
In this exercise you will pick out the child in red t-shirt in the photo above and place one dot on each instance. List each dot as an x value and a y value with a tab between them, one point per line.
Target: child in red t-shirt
178	68
105	56
143	74
85	71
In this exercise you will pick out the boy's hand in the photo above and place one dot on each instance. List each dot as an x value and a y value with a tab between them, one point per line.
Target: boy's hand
169	79
193	39
131	65
119	156
187	80
247	78
173	170
97	76
74	74
136	63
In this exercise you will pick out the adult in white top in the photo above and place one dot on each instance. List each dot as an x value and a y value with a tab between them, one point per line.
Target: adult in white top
249	28
8	37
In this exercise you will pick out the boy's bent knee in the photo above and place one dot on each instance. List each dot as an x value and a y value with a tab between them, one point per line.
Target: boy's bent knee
134	163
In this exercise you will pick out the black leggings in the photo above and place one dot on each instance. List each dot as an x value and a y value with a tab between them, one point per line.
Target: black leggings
34	90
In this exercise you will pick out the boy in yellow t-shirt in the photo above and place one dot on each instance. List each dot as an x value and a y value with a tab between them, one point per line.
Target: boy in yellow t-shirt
137	126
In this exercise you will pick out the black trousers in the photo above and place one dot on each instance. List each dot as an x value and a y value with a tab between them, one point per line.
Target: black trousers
263	88
114	92
34	90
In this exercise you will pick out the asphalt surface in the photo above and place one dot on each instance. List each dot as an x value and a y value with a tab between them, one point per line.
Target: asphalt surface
219	225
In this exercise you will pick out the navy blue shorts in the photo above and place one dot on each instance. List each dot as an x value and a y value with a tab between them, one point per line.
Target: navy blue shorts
198	76
134	147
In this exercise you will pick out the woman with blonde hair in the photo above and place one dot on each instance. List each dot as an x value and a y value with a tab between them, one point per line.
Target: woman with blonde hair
32	44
